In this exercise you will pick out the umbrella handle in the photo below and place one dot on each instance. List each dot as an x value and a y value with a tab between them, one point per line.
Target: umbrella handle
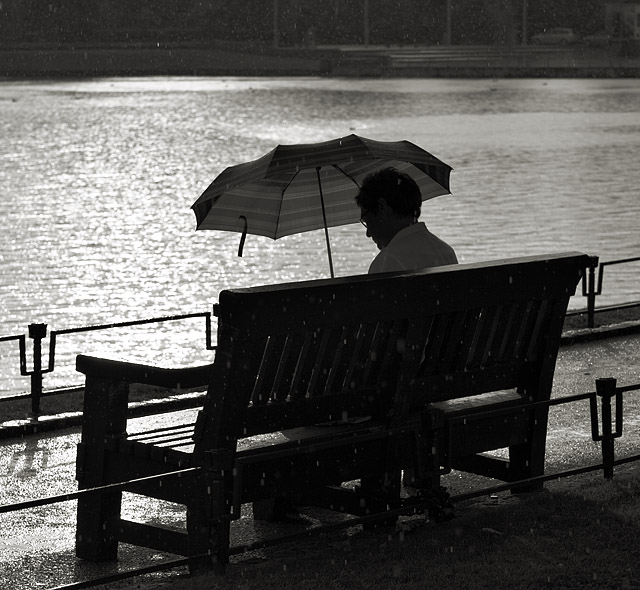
244	236
324	218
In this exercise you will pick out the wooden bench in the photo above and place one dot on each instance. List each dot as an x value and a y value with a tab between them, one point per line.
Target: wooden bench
324	382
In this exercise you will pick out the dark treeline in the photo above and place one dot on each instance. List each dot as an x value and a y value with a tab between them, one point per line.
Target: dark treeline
299	22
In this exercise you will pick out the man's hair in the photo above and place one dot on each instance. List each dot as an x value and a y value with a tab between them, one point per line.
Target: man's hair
398	189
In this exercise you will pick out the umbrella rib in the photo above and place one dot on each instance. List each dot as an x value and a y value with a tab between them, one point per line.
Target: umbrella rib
351	178
284	189
282	202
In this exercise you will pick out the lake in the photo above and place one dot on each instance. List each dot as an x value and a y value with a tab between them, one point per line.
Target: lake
97	178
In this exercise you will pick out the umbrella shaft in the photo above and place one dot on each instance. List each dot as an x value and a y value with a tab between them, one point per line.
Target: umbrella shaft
324	219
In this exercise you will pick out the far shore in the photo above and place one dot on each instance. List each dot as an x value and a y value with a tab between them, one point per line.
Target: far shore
37	62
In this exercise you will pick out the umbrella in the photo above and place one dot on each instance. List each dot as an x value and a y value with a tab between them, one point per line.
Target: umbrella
303	187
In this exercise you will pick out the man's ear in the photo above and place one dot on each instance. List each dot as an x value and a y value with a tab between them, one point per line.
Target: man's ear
382	206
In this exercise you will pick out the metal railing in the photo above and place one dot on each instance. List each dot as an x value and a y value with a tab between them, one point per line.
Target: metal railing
604	429
38	332
591	288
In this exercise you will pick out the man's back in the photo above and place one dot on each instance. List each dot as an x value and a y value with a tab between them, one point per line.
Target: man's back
412	248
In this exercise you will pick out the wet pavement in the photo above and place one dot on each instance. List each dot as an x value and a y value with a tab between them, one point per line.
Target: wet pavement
37	544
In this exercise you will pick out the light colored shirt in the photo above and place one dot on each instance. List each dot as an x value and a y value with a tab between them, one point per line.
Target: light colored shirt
413	247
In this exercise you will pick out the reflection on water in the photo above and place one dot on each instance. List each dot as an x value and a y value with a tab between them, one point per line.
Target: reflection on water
97	178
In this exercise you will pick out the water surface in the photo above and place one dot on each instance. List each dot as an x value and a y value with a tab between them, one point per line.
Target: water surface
97	177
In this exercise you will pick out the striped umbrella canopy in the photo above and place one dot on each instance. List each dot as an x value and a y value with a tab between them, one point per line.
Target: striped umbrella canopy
303	187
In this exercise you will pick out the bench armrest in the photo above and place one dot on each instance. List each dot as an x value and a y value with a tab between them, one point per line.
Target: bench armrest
118	371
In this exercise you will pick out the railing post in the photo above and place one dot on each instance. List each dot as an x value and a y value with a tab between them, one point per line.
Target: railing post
606	390
591	292
36	332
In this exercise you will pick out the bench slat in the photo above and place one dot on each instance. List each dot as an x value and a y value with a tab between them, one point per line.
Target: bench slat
522	329
322	362
455	339
286	368
340	359
468	340
481	337
503	343
434	340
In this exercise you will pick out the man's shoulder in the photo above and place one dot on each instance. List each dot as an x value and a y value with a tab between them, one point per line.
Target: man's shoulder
385	261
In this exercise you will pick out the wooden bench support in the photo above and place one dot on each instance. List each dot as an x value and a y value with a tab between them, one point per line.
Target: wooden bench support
321	383
95	538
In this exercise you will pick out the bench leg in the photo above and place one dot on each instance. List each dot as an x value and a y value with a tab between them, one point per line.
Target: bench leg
378	493
105	414
96	516
427	480
427	452
524	463
527	460
276	509
208	525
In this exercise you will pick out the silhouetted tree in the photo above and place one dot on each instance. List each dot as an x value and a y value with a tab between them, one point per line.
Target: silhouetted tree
585	16
501	21
332	21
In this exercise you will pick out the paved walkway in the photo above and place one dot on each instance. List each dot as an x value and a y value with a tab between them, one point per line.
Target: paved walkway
37	544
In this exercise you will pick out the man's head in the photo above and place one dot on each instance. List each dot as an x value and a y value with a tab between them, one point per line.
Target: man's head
389	201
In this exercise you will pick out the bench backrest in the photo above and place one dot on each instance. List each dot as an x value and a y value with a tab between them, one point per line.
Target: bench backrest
495	326
296	354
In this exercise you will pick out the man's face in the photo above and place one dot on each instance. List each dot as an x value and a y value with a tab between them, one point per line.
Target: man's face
376	224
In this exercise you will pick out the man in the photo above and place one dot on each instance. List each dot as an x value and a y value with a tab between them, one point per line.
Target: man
390	204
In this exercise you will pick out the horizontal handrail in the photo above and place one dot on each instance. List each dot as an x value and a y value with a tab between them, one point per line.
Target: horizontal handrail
45	393
9	338
602	266
55	333
112	487
120	576
38	332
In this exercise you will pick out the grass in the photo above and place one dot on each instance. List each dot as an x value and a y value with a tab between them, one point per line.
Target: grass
580	533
